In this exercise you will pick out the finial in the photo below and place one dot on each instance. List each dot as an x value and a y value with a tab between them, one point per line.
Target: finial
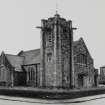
56	6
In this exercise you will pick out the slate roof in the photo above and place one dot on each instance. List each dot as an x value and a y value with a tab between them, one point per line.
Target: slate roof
28	57
75	43
31	56
15	61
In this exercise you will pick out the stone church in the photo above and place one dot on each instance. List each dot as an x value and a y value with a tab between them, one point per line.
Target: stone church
59	63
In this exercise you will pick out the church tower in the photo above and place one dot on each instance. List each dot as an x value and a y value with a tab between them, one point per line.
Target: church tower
56	68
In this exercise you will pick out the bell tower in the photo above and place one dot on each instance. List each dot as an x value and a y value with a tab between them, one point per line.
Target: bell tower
56	68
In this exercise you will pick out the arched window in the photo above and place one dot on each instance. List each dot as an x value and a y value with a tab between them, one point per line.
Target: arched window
31	73
49	57
81	58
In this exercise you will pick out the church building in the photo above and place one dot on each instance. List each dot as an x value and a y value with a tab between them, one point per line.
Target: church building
60	62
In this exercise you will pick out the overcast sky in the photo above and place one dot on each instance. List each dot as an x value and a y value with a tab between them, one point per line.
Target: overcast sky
18	19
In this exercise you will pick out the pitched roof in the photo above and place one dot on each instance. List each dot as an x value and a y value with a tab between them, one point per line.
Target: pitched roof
28	57
31	56
75	43
83	43
15	61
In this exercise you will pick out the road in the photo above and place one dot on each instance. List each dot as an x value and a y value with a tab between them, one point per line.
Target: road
92	100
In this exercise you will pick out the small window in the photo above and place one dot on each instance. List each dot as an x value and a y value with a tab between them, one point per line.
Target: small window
31	73
49	57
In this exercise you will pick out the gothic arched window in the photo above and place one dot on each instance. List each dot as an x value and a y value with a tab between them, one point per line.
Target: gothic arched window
31	73
81	58
49	57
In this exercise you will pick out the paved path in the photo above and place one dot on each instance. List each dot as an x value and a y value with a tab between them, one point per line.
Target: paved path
91	100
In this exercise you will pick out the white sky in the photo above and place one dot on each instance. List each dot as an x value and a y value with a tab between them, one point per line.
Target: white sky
19	17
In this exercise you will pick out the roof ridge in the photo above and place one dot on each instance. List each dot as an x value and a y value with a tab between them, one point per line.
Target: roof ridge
31	50
11	54
14	55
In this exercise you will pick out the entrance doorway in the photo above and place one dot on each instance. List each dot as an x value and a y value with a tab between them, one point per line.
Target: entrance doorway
80	81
